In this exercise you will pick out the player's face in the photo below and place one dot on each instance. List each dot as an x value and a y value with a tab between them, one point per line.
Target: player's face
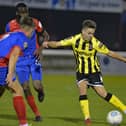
22	11
88	33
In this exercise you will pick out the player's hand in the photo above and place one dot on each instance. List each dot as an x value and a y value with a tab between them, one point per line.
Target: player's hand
37	54
9	79
45	44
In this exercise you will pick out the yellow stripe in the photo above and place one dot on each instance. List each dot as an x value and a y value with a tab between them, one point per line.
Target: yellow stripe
86	66
80	65
97	64
93	64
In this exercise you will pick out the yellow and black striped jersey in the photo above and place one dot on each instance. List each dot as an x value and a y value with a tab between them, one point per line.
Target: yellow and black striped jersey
85	53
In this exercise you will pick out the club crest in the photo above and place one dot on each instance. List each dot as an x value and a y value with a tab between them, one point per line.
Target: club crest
25	44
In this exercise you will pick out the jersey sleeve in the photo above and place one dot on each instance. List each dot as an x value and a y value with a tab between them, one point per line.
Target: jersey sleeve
38	25
7	28
67	41
20	44
19	41
100	47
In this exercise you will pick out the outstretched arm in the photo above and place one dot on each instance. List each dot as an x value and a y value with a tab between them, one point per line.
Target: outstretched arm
100	47
116	56
52	44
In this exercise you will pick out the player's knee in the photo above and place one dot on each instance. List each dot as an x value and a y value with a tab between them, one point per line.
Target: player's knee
101	93
16	88
25	85
37	84
27	91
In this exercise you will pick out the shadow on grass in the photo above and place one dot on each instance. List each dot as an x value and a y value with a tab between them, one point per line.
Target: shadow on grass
79	120
10	117
99	121
9	124
68	119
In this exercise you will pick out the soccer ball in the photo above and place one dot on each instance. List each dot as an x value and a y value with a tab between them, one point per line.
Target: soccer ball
114	118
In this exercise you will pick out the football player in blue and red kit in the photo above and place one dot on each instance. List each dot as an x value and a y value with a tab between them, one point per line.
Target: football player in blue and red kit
28	64
12	45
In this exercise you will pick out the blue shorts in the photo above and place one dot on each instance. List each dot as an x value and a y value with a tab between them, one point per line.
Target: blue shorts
24	71
3	76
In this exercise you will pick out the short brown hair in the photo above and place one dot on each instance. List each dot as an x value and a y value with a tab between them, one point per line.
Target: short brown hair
26	21
89	24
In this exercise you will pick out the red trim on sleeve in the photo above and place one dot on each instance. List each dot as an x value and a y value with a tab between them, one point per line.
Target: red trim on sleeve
37	25
14	25
5	60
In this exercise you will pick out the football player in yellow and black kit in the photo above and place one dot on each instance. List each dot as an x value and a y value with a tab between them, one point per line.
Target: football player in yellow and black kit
85	47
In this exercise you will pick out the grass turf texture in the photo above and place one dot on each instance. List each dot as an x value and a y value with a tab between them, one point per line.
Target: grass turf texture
61	105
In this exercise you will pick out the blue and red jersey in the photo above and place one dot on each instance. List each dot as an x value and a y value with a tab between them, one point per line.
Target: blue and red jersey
8	42
26	64
14	25
28	56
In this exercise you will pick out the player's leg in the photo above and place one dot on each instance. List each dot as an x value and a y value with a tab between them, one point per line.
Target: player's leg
3	73
23	77
23	74
36	72
84	103
18	102
38	86
111	98
2	90
100	90
31	101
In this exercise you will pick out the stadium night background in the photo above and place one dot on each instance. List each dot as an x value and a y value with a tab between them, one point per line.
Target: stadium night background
63	18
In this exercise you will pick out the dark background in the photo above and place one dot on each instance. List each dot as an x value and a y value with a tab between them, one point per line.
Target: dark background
61	24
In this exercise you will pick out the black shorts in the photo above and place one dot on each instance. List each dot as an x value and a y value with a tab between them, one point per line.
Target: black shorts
94	79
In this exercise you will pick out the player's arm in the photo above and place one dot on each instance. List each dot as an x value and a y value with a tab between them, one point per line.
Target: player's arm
13	59
116	56
104	50
52	44
45	35
42	36
55	44
12	63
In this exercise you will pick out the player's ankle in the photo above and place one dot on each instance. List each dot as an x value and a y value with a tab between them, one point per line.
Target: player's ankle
124	111
87	121
24	124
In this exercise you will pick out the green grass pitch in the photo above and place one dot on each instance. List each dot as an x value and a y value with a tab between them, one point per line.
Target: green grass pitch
61	105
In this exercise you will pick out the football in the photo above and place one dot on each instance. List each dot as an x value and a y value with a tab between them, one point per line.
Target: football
114	118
